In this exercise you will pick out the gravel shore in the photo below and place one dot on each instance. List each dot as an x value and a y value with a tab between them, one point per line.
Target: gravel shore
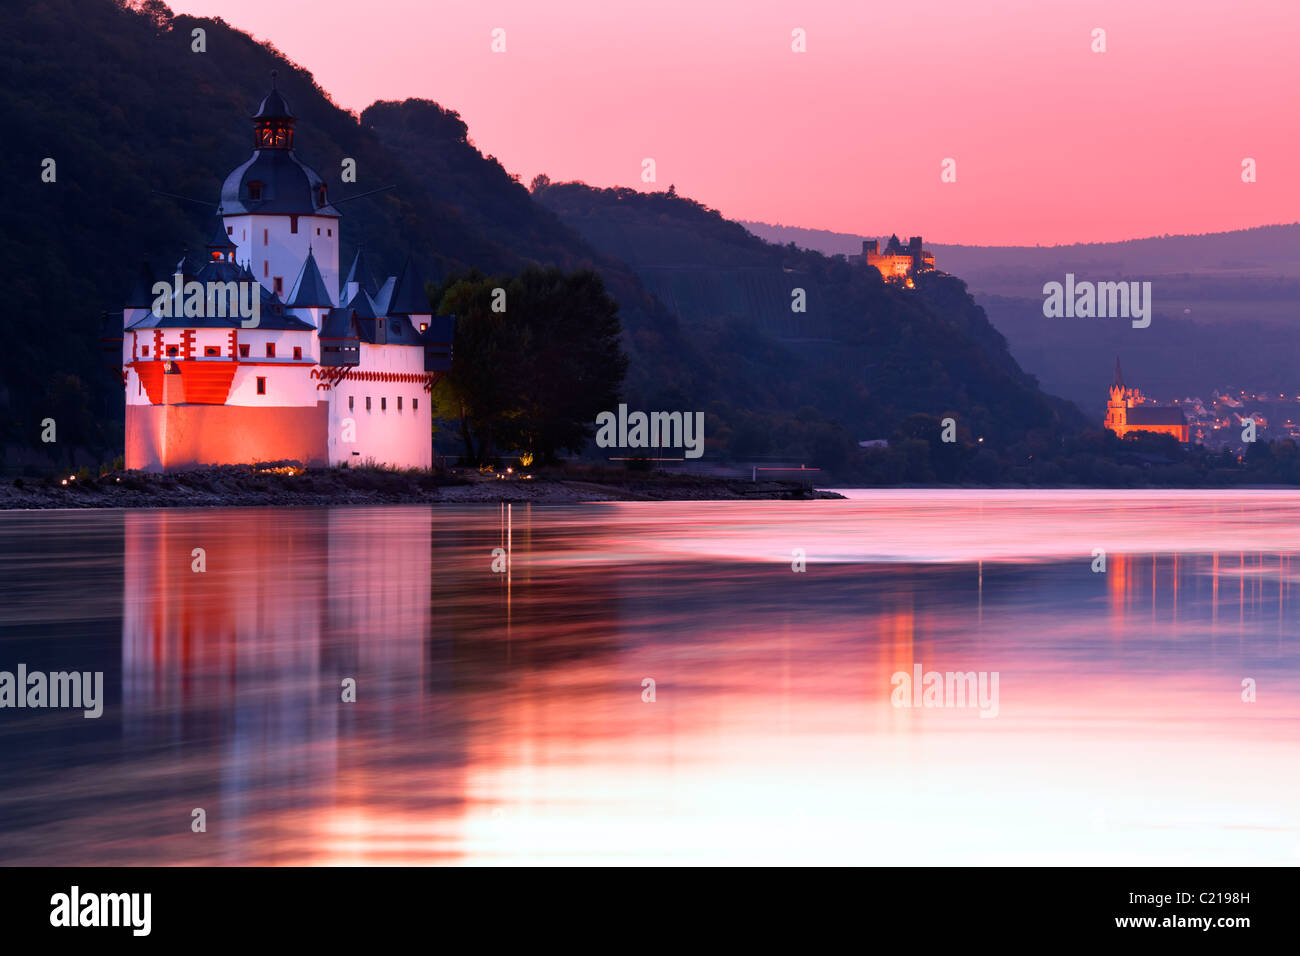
243	486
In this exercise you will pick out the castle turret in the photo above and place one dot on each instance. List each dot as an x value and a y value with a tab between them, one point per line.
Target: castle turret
274	206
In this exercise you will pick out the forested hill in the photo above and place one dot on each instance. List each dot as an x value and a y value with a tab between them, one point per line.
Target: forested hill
126	108
865	353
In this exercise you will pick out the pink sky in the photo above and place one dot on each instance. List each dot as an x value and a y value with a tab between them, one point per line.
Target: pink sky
1053	143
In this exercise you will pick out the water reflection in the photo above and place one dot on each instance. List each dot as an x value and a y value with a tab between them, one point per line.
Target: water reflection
499	713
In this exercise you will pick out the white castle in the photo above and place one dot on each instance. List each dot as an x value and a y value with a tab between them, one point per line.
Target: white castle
318	371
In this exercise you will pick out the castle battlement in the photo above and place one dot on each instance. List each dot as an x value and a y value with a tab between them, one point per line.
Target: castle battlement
897	263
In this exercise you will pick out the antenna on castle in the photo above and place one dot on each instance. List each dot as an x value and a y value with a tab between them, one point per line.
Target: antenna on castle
204	202
335	202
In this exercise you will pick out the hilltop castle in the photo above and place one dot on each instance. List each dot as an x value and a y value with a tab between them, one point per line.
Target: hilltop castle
300	366
1125	412
896	263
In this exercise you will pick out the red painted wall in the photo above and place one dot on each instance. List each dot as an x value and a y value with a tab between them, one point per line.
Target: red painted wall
160	437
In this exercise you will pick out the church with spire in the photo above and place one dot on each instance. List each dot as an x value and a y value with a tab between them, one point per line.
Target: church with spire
1127	411
309	368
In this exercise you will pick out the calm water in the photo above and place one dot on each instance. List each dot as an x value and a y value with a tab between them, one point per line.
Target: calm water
499	716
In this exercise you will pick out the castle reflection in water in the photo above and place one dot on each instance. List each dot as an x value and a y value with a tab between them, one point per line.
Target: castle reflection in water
499	716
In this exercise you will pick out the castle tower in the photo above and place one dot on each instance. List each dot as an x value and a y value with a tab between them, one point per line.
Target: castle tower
274	206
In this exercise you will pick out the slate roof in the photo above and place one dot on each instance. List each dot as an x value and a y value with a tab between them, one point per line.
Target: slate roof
309	289
219	238
361	274
338	324
288	186
274	106
1155	415
271	313
408	293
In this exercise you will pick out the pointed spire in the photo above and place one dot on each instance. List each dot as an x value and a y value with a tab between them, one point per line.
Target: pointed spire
219	241
1119	376
409	297
274	105
309	290
360	273
361	305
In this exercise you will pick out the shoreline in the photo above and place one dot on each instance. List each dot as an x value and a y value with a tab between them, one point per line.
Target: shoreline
238	486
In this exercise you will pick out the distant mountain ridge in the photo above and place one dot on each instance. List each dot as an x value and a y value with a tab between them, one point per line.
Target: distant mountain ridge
1264	250
1227	306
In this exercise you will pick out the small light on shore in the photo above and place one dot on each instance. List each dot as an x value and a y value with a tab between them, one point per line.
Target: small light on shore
65	481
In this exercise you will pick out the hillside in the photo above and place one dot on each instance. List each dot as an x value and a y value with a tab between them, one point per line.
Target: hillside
117	97
1225	308
866	354
128	111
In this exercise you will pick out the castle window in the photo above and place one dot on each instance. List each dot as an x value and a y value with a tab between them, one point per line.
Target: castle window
266	268
399	403
144	350
255	192
318	230
383	404
243	351
261	385
297	353
230	230
329	232
270	350
172	351
293	224
210	351
367	403
279	285
351	402
415	404
266	237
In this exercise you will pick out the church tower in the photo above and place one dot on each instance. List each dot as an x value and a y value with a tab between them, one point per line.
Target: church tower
1117	406
276	208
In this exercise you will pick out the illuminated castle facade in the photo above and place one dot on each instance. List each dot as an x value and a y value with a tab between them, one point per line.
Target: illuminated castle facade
1126	412
318	370
897	263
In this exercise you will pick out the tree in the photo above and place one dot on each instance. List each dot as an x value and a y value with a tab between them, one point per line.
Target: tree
532	377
